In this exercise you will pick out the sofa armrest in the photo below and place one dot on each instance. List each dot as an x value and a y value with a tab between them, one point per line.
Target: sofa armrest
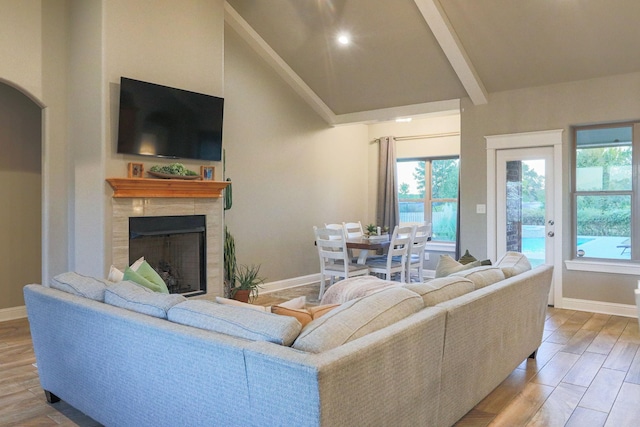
389	377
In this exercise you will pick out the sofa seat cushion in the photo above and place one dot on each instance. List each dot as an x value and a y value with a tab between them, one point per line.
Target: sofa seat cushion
77	284
355	287
513	263
482	276
441	289
135	297
236	321
357	318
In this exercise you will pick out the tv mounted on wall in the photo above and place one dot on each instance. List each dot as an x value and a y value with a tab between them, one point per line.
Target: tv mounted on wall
162	121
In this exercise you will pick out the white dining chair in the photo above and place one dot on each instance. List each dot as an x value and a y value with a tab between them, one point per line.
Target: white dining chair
335	226
353	230
415	256
395	259
334	257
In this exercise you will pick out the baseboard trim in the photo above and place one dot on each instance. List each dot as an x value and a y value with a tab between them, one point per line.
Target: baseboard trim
611	308
13	313
290	283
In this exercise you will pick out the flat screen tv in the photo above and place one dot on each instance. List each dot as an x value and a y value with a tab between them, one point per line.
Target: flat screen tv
162	121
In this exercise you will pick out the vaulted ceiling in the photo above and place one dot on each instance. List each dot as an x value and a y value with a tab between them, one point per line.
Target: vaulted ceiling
412	57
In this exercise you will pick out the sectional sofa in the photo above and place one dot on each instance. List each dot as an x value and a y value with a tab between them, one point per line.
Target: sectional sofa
406	355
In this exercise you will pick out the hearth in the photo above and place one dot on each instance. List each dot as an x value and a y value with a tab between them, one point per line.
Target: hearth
175	246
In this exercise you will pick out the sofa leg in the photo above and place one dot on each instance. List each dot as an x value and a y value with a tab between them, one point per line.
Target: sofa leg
51	398
533	355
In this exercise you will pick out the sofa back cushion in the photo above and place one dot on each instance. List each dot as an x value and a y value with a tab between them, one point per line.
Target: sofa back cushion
441	289
77	284
135	297
513	263
357	318
236	321
447	265
482	276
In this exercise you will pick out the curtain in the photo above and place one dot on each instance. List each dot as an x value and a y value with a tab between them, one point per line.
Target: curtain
458	251
387	212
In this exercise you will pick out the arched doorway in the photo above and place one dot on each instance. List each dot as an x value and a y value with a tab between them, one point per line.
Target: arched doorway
21	195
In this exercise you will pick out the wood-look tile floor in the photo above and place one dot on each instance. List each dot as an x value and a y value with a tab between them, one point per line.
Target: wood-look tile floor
587	373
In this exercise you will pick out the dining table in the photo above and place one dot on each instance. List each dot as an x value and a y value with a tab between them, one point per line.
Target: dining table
365	244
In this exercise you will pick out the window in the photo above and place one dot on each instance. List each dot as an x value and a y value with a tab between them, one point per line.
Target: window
605	191
428	192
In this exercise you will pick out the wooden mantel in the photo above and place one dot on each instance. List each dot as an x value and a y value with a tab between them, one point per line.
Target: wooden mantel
171	188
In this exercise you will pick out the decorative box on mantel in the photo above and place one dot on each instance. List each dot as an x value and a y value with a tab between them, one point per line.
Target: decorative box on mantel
171	188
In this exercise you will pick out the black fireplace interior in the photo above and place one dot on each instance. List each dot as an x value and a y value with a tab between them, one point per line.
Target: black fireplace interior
175	246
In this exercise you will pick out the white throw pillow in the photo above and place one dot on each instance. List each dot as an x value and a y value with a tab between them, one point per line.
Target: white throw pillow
237	303
116	275
296	303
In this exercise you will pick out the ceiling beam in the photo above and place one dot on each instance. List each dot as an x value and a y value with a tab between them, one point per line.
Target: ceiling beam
431	109
260	46
450	43
265	51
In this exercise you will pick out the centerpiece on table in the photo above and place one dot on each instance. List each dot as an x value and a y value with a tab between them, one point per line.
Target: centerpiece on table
375	233
172	171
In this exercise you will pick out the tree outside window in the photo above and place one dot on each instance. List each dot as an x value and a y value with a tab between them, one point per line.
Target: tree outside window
428	192
604	192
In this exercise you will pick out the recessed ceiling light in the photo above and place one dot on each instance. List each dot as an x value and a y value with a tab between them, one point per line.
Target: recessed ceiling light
403	119
344	39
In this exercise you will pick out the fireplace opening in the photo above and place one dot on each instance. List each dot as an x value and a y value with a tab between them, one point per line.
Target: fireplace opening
175	246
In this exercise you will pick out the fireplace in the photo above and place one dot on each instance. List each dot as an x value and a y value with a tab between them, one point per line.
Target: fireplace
137	197
175	246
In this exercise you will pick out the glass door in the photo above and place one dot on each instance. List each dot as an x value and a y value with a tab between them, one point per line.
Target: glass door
524	199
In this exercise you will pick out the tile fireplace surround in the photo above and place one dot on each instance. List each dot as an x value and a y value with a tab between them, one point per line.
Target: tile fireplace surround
177	203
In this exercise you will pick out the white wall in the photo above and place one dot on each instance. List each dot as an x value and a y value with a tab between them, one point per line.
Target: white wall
561	106
34	57
290	171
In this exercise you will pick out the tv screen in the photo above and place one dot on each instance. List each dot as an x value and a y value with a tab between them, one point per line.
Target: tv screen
161	121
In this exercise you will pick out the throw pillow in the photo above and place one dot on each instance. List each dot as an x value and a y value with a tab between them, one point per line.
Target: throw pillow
355	287
146	278
115	275
77	284
467	258
447	265
299	302
513	263
235	321
138	298
304	315
237	303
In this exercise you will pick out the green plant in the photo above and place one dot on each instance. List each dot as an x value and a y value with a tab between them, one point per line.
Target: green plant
372	229
173	169
230	263
246	278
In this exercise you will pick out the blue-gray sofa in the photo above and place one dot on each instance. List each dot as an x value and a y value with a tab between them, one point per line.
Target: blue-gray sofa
411	366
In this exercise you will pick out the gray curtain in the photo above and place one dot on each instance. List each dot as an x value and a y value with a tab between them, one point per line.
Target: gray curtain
387	213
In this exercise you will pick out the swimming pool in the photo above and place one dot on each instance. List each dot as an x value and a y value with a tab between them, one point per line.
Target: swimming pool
536	244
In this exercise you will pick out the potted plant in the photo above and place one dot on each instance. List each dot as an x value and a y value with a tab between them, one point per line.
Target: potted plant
229	263
247	282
